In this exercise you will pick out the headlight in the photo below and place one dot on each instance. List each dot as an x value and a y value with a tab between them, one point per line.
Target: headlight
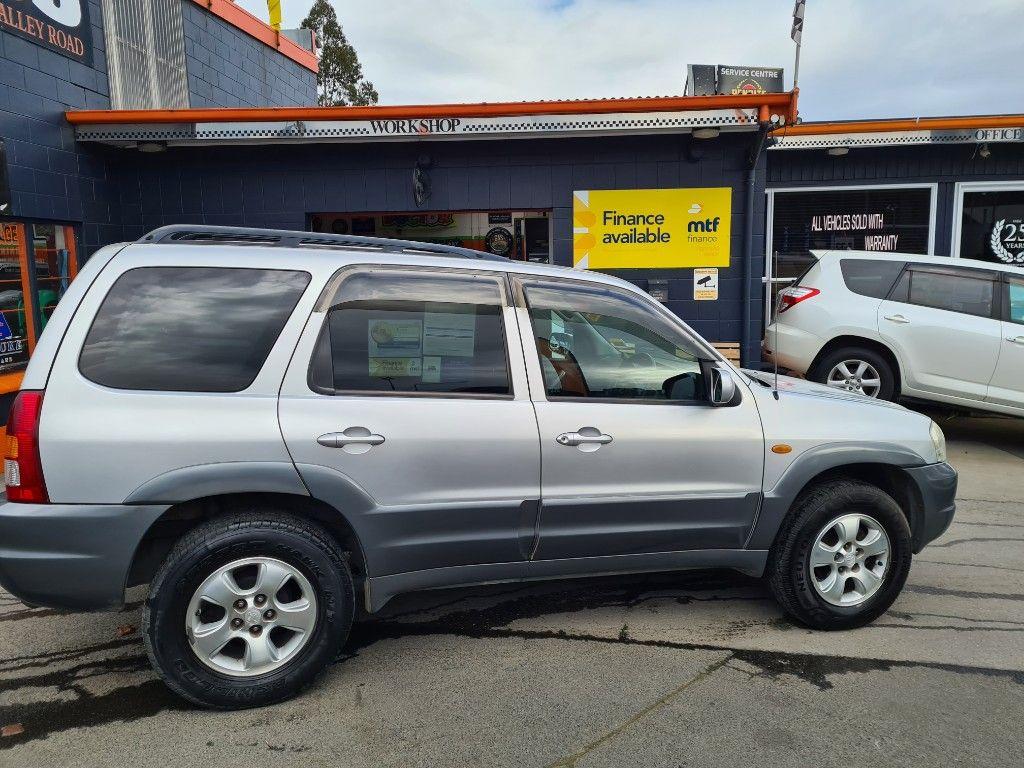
938	441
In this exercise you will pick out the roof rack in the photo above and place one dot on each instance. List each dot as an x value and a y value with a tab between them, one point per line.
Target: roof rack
286	238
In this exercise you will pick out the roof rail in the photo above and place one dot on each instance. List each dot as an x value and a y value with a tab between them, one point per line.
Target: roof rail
286	238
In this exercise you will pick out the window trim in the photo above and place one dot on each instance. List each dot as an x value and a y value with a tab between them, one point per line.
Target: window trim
259	371
952	270
960	188
325	303
521	280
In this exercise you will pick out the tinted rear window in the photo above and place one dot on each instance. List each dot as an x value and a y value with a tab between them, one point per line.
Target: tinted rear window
870	277
189	329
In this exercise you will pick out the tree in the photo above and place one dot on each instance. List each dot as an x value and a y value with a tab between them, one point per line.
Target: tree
340	80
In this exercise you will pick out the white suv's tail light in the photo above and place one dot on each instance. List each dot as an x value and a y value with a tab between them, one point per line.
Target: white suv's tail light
790	297
23	468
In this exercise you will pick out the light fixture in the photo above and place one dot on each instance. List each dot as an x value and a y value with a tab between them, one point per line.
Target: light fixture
838	151
706	133
984	152
151	147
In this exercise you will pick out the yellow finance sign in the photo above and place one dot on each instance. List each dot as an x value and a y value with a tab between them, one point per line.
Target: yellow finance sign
650	228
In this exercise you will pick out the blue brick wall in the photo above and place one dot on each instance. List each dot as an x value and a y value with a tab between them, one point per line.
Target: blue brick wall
279	186
941	164
228	68
50	176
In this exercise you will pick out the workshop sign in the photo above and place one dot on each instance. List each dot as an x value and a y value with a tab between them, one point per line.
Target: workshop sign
60	25
652	228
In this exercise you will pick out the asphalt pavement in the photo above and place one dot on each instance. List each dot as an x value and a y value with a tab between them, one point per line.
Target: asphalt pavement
696	669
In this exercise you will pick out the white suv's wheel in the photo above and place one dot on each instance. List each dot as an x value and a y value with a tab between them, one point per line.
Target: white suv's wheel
856	369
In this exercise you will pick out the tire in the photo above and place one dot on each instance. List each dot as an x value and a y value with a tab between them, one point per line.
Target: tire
792	579
887	376
317	574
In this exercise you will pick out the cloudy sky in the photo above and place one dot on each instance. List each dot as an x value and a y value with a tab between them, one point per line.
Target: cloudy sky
861	58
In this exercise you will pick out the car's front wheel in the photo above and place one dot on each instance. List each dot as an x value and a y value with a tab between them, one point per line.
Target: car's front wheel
857	369
247	609
842	555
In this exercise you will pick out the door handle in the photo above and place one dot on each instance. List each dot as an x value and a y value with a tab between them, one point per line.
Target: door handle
897	319
341	439
1016	339
580	438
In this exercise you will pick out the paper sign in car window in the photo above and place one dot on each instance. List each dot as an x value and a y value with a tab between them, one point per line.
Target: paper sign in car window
393	367
449	334
395	338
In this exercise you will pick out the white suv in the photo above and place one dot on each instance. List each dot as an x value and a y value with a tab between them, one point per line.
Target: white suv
892	325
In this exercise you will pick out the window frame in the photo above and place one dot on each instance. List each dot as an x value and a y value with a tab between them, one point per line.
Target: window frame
325	303
962	188
955	271
520	281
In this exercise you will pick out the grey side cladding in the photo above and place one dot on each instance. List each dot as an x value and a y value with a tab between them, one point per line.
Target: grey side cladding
381	589
204	480
423	536
778	500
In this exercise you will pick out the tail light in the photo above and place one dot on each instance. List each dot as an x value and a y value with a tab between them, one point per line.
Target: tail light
790	297
23	467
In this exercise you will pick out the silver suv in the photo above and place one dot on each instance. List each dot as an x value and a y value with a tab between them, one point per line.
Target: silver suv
262	425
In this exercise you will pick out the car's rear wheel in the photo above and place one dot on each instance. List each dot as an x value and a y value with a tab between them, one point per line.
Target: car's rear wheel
842	555
247	609
857	369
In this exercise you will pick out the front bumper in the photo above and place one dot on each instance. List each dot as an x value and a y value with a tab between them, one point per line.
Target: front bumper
71	555
936	485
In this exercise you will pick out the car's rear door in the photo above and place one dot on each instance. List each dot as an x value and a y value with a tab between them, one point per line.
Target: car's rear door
943	324
1007	385
625	469
403	409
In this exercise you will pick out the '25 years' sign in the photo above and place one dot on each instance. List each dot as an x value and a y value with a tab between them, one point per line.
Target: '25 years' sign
60	25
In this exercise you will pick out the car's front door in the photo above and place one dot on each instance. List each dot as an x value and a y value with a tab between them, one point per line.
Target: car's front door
403	409
634	458
941	323
1007	385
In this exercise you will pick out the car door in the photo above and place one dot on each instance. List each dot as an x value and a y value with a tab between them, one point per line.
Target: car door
625	468
943	325
1007	385
404	411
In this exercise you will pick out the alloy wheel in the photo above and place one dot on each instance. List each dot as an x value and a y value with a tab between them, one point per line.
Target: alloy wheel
849	559
855	376
251	616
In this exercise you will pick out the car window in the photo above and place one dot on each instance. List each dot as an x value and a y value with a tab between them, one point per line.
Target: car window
595	342
870	277
957	292
1016	303
189	329
430	333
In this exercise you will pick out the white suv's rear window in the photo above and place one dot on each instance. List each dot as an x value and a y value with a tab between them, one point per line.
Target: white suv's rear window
189	329
871	277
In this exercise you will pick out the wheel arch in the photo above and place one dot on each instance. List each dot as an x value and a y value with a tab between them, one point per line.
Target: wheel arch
852	340
880	466
182	517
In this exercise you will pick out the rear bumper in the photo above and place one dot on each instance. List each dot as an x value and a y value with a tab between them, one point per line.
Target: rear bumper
790	347
71	555
936	485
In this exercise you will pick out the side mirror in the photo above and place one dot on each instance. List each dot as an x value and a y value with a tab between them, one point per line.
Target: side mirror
722	386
